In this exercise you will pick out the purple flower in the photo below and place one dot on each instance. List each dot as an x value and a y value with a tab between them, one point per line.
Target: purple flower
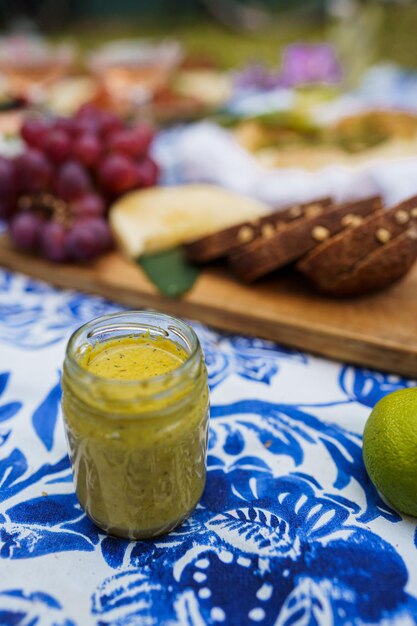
256	76
304	63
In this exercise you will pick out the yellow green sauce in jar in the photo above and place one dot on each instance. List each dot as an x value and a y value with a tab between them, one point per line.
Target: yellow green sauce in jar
136	407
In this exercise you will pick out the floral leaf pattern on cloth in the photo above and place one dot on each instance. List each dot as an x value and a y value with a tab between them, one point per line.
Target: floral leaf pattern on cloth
45	416
34	608
289	531
54	314
254	359
8	409
253	530
46	525
369	387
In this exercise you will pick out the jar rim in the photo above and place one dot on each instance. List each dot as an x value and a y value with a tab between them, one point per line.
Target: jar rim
177	372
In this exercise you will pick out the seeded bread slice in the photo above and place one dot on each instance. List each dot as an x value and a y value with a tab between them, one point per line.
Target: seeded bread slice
340	253
268	253
379	269
219	244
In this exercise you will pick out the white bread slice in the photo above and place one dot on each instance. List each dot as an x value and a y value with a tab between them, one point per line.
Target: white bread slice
160	218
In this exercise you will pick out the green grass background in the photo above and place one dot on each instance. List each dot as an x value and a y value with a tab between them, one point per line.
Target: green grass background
379	33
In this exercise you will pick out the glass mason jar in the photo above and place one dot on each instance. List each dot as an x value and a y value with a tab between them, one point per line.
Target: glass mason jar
137	447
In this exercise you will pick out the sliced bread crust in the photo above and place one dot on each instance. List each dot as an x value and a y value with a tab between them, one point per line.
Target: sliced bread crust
341	253
381	268
220	244
268	253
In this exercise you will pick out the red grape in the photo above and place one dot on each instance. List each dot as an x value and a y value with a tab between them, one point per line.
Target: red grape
118	173
8	188
88	238
125	142
8	179
103	121
86	161
34	131
87	149
110	122
25	229
34	171
87	110
133	142
102	230
64	123
148	172
7	208
87	126
90	205
145	134
88	119
58	145
53	241
72	181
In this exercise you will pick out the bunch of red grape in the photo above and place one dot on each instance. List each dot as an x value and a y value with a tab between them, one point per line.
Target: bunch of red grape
56	194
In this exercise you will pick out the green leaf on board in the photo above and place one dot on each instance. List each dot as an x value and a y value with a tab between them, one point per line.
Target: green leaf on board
170	271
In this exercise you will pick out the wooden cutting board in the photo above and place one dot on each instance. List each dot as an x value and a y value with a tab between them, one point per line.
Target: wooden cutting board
376	331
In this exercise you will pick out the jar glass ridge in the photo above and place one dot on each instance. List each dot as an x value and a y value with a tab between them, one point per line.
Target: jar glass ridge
137	447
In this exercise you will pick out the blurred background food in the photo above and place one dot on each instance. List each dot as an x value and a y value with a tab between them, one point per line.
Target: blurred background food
134	50
230	31
99	98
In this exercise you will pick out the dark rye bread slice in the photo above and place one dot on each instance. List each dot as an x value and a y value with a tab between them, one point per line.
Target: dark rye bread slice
379	269
220	244
340	253
266	254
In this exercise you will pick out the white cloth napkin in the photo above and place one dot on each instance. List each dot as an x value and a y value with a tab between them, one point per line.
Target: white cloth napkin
205	152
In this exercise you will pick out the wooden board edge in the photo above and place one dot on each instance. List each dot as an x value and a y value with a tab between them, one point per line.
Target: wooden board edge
364	352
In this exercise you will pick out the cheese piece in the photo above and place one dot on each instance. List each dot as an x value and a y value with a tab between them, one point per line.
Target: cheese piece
160	218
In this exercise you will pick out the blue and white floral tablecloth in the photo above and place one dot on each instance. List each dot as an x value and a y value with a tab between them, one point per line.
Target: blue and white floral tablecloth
289	531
